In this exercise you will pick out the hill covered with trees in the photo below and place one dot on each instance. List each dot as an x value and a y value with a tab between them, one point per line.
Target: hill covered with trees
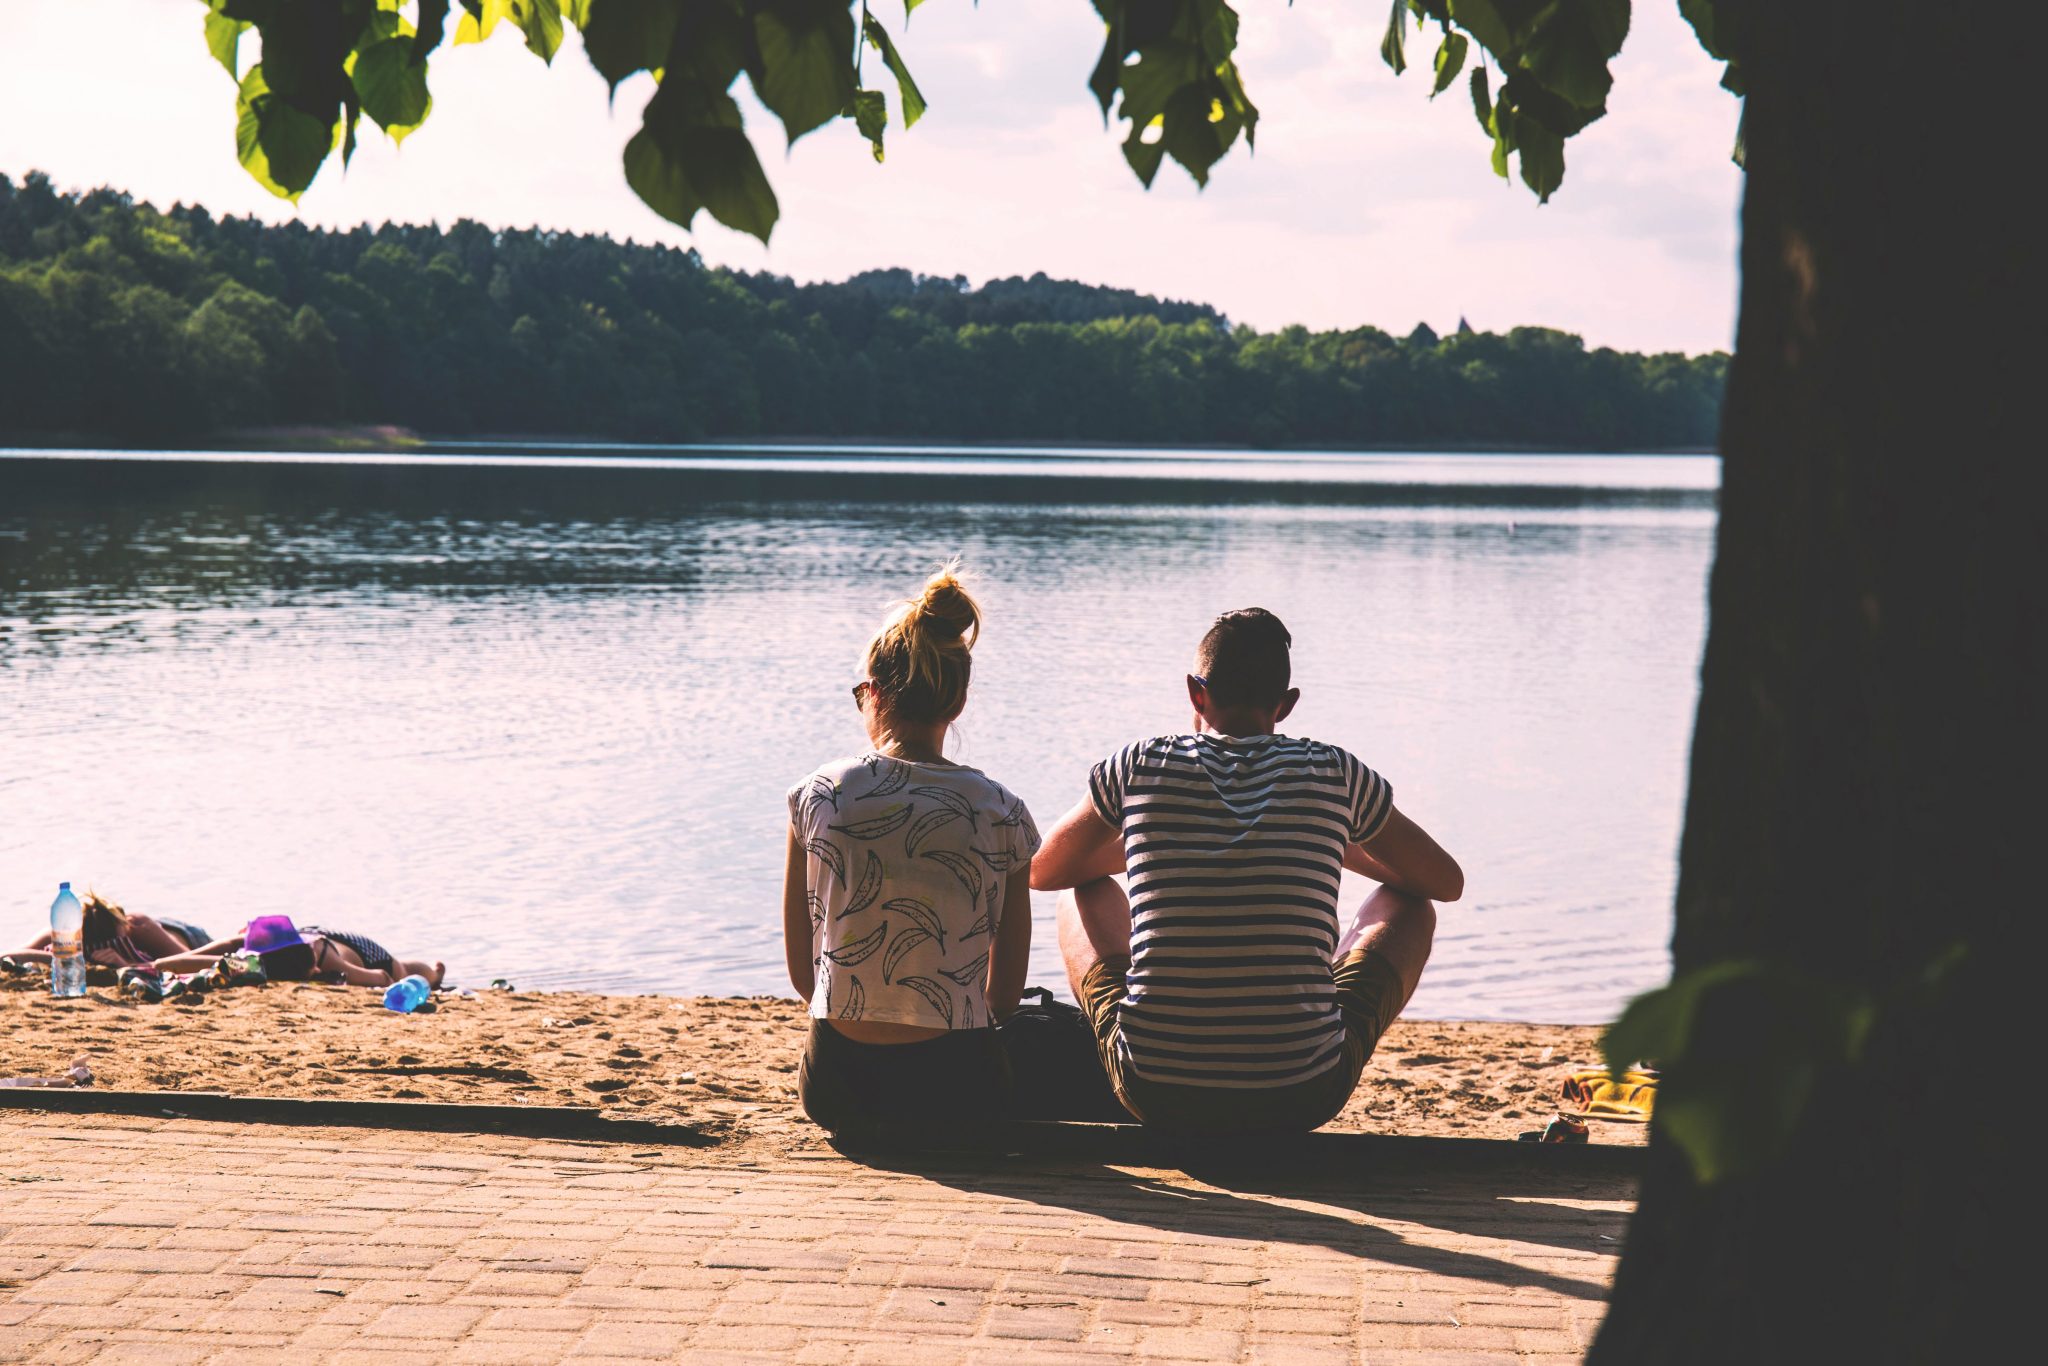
121	320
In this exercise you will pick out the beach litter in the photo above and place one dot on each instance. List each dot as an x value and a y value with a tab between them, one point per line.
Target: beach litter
78	1074
150	986
1562	1128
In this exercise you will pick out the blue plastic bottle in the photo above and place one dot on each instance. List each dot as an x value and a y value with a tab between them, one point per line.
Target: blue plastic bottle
407	993
67	944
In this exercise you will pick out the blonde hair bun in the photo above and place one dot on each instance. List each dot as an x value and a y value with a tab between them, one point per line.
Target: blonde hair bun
947	609
921	658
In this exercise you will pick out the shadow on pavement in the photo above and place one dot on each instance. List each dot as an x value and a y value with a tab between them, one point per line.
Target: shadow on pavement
1274	1202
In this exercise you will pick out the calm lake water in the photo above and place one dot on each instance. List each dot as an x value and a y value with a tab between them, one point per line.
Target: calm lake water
532	708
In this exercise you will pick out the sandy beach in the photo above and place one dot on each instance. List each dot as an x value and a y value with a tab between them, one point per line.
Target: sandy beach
724	1065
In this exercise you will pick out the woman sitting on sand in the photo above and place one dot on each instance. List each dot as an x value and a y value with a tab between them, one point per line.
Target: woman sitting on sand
116	939
906	902
290	954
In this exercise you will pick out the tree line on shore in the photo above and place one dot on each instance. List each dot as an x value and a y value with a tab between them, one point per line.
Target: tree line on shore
120	320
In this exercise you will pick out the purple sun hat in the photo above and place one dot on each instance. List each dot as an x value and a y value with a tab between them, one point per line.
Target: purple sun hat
269	933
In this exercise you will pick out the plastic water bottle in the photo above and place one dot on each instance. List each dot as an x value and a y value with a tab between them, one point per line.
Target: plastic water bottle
67	944
406	994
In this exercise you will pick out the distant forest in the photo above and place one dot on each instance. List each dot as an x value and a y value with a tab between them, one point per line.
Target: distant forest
121	321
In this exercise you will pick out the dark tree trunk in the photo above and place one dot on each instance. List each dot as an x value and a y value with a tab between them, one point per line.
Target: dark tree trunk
1863	773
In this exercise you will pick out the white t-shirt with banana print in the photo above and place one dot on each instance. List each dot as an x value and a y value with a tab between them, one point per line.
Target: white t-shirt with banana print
906	864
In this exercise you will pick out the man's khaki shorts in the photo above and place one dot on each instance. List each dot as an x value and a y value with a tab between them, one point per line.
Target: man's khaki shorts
1369	996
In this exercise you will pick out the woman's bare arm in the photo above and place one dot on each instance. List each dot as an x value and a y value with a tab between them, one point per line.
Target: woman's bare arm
1080	848
1010	956
1404	857
797	947
220	947
153	939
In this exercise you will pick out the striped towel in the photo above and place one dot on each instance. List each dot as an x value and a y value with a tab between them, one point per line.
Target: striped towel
1598	1095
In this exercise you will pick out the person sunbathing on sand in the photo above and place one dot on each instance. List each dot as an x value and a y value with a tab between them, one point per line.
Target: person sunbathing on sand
1223	996
290	954
906	915
115	938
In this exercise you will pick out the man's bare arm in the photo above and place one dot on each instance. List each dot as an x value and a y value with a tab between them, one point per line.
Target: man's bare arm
1080	848
1403	856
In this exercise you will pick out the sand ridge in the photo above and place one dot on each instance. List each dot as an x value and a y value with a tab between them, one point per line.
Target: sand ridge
726	1065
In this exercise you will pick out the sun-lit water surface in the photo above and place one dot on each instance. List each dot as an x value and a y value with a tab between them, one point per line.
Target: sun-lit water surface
533	709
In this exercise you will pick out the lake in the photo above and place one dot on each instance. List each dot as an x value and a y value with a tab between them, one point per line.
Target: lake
532	708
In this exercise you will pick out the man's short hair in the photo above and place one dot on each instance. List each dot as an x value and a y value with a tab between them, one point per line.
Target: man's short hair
1244	658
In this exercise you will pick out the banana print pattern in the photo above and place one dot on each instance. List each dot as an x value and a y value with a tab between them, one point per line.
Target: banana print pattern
960	867
922	915
967	976
940	1000
927	825
860	950
828	854
870	887
875	827
907	866
952	801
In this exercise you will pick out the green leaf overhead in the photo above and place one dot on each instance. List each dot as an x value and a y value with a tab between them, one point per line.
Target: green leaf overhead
433	22
870	113
692	153
280	145
1394	46
1167	70
625	36
1541	153
1450	59
1719	27
541	22
877	38
806	51
1568	48
1553	56
223	38
1181	91
390	85
481	19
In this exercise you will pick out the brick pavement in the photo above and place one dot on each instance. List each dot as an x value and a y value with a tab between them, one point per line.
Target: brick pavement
171	1240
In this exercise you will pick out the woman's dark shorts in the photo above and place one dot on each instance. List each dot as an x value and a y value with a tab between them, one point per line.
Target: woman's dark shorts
939	1090
1369	996
191	934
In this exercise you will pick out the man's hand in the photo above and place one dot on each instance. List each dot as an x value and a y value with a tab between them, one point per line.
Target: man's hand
1080	848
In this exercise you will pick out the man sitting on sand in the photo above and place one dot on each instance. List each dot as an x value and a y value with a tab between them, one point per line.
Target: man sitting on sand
1223	997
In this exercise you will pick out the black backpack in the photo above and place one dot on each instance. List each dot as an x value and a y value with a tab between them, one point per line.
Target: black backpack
1054	1068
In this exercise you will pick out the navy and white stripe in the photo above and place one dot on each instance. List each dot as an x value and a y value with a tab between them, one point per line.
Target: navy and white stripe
1234	848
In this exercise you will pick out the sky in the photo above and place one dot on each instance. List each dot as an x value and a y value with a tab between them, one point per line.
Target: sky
1365	202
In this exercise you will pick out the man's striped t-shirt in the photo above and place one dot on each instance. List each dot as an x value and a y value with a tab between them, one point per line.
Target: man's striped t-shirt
1234	848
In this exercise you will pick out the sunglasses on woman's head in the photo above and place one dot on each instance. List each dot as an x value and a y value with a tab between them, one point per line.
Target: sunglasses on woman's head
860	693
